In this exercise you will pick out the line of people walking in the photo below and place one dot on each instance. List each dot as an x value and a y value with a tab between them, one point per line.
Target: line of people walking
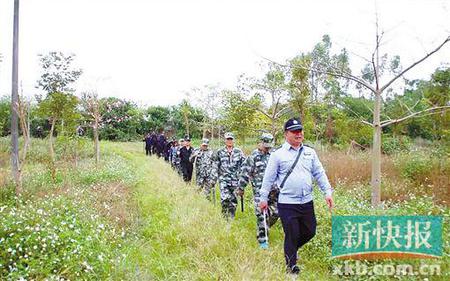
276	194
231	169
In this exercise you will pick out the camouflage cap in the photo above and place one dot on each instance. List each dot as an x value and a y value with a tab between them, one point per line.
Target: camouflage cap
229	135
205	141
267	140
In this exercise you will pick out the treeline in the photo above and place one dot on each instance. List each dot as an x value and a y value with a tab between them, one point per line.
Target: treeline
334	109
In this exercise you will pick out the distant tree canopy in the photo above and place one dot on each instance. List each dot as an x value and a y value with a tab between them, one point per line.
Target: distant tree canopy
331	110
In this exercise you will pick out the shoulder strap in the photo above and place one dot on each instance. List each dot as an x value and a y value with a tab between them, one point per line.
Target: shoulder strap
292	167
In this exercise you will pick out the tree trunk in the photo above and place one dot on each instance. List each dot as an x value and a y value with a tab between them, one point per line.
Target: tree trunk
52	151
212	131
15	164
376	152
29	124
96	143
273	131
24	125
186	121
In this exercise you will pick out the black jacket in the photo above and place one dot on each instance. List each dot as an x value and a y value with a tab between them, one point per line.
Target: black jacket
185	154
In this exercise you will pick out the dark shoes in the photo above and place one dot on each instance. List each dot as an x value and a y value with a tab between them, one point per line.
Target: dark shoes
294	270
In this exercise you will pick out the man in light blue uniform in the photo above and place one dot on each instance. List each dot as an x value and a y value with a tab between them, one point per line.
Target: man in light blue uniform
295	202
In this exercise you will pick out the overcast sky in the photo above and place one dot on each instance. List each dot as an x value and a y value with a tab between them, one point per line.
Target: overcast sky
152	52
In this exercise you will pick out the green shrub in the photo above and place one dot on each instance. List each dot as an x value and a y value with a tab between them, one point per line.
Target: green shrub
391	145
416	167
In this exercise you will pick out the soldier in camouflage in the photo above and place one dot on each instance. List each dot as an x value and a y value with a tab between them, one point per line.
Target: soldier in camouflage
227	163
176	156
253	170
203	159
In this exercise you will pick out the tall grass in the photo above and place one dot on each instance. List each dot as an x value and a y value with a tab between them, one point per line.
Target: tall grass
70	228
184	237
133	218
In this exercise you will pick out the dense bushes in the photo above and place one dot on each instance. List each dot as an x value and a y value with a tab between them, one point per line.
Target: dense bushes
391	145
424	167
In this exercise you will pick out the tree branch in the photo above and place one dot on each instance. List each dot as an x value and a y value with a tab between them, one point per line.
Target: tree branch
282	111
257	108
366	123
438	109
414	64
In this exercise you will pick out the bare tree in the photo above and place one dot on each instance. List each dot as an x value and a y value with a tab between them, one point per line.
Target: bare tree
208	98
91	104
377	90
185	111
370	80
24	108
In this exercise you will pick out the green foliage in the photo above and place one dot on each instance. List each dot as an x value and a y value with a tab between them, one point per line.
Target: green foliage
61	107
58	72
5	113
187	239
357	108
72	147
121	120
416	167
298	86
426	167
177	234
351	129
391	145
325	87
157	118
72	232
240	115
186	117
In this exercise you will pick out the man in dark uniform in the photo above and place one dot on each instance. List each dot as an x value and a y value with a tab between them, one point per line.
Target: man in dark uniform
186	164
161	144
167	148
153	141
148	145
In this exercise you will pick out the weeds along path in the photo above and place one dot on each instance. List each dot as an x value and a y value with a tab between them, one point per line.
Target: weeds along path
182	236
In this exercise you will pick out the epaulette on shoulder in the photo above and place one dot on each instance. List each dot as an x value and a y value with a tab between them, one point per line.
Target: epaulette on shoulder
308	145
276	148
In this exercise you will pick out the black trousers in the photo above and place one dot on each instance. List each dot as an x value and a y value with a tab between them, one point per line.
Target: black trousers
299	225
186	169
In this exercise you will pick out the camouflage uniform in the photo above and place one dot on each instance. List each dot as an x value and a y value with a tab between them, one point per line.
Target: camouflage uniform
253	170
176	158
203	160
226	169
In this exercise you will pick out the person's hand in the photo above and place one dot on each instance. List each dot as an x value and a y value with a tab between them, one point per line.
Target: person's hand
239	192
263	205
330	202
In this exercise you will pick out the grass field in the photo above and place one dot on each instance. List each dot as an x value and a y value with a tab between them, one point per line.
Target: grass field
133	218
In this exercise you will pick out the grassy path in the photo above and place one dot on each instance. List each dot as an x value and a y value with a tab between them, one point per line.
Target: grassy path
184	237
